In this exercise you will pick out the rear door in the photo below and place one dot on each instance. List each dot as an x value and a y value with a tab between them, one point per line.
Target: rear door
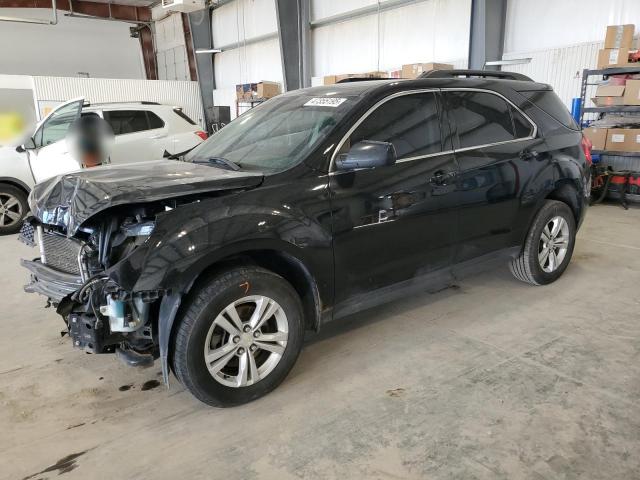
396	223
51	155
139	135
496	151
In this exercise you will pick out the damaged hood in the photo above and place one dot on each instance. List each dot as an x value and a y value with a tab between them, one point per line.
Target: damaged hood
68	200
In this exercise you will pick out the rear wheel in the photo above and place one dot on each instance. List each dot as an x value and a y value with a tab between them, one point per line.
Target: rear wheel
548	247
239	337
13	208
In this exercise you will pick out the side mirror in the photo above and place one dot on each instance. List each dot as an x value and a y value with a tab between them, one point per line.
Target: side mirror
29	144
367	154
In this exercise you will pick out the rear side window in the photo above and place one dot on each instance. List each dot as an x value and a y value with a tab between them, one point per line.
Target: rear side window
481	118
131	121
154	121
410	122
551	104
183	116
521	125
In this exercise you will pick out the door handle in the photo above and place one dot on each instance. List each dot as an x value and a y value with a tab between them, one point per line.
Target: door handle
156	137
441	177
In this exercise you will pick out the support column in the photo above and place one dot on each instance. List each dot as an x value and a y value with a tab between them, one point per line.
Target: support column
486	41
294	34
201	36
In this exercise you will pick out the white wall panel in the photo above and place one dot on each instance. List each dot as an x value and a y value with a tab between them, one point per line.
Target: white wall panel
253	63
49	90
559	67
243	19
545	24
103	49
328	8
432	30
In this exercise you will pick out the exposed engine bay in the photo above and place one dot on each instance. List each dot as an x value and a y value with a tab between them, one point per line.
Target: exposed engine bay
72	272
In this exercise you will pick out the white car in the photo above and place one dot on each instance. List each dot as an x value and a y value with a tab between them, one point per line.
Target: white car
143	131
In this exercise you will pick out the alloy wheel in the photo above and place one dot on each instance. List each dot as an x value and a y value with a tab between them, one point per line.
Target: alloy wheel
554	243
10	210
246	341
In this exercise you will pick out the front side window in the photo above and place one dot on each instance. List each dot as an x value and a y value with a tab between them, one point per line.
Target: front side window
481	118
55	127
131	121
410	122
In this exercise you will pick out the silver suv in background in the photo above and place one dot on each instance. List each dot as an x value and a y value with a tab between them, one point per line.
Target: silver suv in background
143	131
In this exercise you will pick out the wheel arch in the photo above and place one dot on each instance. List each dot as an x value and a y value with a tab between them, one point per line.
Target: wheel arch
280	261
14	182
567	192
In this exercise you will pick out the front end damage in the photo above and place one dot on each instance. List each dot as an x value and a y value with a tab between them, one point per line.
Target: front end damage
100	263
76	274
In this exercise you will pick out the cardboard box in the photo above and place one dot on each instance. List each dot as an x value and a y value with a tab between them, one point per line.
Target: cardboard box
268	89
597	136
632	93
247	92
623	139
613	57
414	70
609	95
619	36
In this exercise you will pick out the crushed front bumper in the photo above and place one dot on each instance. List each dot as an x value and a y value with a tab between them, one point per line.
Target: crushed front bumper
50	282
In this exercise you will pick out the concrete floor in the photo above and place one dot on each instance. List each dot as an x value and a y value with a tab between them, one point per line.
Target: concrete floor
494	379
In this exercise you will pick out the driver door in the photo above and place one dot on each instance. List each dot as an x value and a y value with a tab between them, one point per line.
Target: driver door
51	155
394	226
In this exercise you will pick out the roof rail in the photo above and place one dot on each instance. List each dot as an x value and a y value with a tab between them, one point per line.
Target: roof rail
87	103
362	79
475	73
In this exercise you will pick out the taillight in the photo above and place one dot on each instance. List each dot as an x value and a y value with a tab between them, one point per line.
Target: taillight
586	148
201	134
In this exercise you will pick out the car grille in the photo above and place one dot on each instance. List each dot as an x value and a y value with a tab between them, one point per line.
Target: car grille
61	253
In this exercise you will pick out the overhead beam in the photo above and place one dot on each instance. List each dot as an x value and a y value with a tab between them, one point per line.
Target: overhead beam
294	35
94	9
486	39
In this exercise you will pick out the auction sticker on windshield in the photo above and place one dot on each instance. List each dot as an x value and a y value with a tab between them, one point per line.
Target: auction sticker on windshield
325	102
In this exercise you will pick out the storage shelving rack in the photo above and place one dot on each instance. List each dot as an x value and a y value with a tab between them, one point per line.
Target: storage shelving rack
244	105
605	73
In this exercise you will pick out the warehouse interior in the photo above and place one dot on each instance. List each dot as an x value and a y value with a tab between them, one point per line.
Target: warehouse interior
479	376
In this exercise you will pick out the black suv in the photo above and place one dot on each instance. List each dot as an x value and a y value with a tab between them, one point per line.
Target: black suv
314	205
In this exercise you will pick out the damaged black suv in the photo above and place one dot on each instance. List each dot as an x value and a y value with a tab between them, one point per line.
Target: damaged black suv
314	205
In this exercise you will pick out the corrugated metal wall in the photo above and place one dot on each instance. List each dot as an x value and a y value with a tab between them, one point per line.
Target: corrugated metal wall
559	67
239	22
422	31
98	90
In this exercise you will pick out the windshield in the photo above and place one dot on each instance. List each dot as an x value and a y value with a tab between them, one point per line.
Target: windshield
275	135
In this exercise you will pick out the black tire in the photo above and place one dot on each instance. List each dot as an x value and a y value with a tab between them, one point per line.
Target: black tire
199	315
526	266
22	208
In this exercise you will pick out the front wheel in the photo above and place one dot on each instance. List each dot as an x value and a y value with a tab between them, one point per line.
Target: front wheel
239	337
548	246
